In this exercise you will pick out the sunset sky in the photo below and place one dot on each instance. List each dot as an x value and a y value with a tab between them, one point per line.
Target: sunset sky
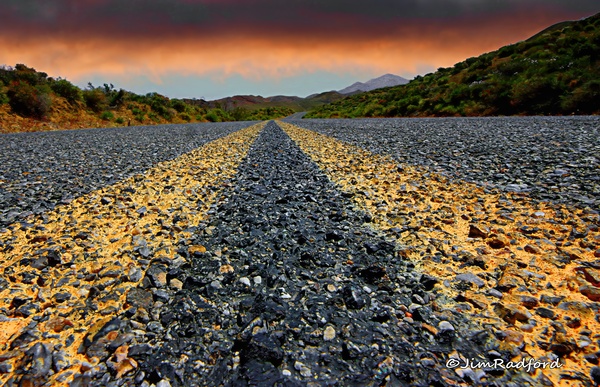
215	48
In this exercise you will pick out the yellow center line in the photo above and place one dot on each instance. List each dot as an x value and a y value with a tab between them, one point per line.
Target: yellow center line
500	241
99	234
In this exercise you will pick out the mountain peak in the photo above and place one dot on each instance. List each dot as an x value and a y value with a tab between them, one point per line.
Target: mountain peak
385	80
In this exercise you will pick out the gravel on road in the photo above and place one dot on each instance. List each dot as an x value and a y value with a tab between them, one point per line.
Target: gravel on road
40	170
549	158
264	256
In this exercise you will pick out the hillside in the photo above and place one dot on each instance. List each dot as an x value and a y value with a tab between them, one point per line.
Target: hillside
556	71
30	100
386	80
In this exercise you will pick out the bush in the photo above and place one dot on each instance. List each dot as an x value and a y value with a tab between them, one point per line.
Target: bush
67	90
3	96
185	117
95	99
212	116
107	115
178	105
120	120
153	117
29	101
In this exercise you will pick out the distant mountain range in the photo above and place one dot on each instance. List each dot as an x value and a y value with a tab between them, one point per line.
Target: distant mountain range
386	80
253	102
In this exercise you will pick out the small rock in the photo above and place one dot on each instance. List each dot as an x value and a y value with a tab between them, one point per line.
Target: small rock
595	375
527	328
477	232
304	370
591	358
591	292
197	250
41	360
163	383
140	298
529	302
176	284
5	368
545	312
511	313
134	274
498	242
329	333
470	277
245	281
62	297
532	249
444	327
158	275
353	298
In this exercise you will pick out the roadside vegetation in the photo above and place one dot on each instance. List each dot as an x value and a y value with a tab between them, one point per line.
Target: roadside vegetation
555	72
30	100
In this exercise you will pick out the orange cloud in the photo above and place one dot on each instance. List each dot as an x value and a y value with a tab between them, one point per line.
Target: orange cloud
406	49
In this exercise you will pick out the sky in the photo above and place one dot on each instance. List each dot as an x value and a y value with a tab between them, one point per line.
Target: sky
211	49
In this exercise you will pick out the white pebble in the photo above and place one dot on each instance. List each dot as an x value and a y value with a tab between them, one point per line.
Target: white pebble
329	334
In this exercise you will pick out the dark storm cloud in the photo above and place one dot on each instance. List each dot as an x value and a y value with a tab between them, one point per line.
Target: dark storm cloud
312	18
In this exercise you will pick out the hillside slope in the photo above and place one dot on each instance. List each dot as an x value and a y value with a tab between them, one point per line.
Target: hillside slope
556	71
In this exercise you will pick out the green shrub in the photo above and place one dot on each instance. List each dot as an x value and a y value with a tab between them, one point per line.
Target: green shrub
107	115
67	90
95	99
212	116
3	96
179	105
25	74
29	101
185	117
139	117
120	120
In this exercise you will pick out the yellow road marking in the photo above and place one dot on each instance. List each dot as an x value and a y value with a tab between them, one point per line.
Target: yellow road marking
99	231
547	262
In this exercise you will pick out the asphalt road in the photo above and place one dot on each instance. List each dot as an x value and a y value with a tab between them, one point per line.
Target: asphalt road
302	252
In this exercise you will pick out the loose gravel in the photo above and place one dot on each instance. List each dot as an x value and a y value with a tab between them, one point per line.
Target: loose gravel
40	170
550	158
